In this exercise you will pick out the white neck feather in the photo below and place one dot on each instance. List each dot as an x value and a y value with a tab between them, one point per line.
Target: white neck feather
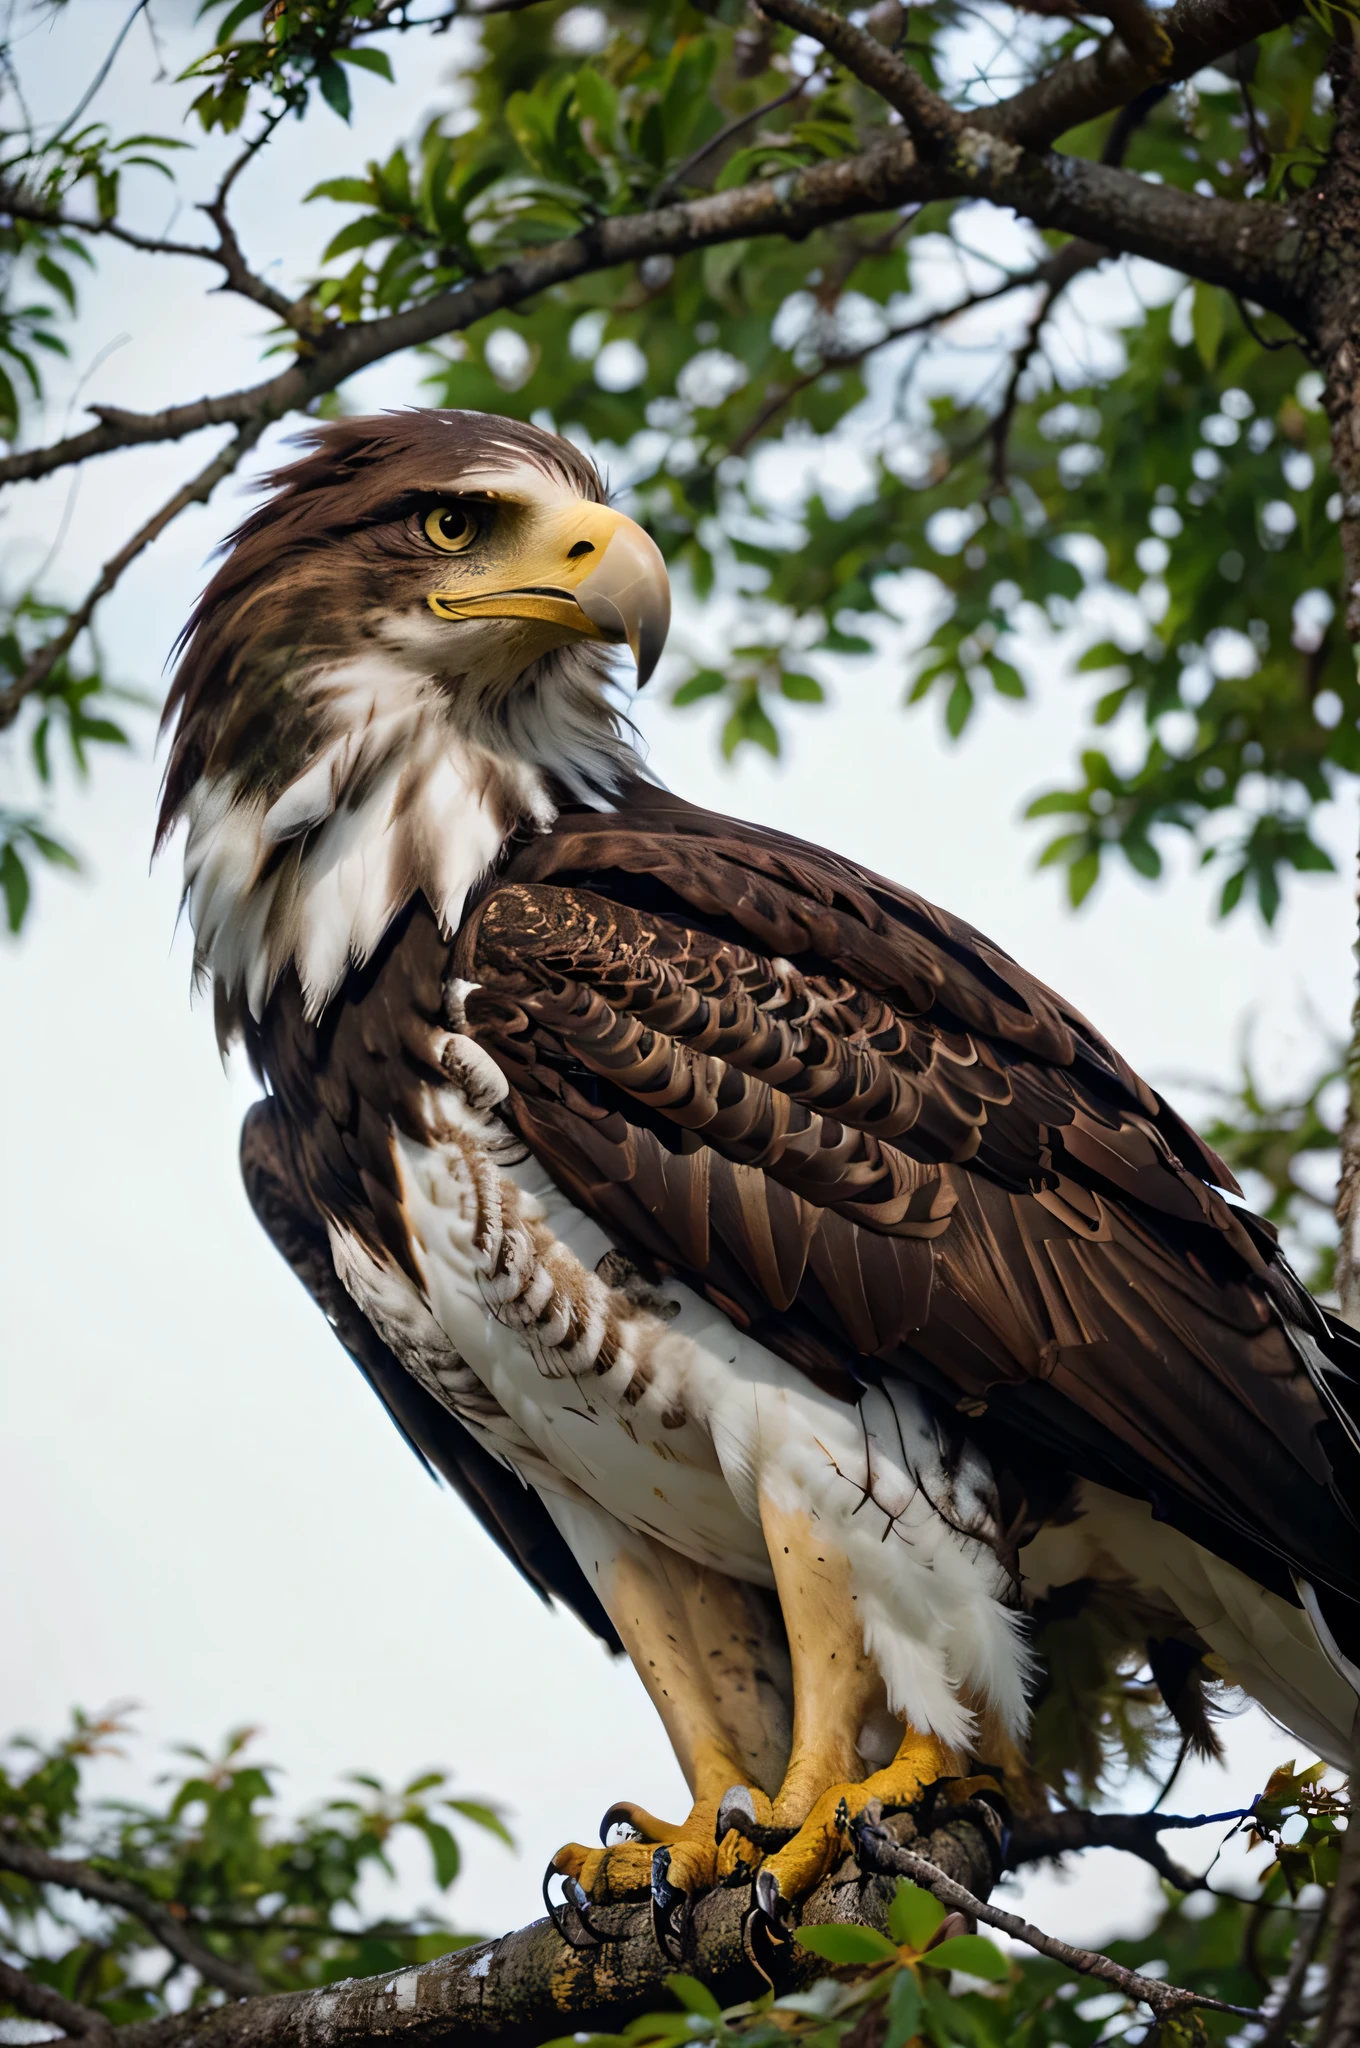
399	801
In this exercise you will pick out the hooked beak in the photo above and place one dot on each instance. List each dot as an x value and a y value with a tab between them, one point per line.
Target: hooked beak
603	579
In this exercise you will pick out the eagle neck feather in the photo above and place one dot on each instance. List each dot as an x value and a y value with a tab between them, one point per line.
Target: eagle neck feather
407	790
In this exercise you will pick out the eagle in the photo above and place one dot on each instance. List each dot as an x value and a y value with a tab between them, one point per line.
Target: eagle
792	1285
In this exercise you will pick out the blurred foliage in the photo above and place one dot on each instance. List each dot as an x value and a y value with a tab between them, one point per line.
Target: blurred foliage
283	1897
1267	1138
65	717
1025	490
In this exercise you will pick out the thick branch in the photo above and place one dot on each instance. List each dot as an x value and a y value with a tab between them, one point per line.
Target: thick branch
1255	250
1198	33
129	1898
530	1986
40	2003
881	1852
196	492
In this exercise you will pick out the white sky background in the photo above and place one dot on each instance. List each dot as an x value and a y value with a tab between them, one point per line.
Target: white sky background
202	1507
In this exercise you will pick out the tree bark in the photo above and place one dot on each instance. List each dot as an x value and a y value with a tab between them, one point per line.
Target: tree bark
1335	208
531	1985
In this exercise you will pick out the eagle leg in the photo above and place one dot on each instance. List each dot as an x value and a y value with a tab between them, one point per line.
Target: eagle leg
836	1687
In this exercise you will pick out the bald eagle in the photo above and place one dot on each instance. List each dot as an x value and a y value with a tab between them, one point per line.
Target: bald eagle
792	1285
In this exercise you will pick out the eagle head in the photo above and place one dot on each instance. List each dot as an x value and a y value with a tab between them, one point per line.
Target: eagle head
403	659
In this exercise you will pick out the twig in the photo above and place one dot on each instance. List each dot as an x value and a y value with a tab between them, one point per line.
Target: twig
1301	1954
197	491
851	360
100	75
41	2003
878	1851
40	1868
1079	256
930	121
681	172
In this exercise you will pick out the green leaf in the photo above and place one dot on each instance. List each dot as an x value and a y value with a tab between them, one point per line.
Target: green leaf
15	886
958	706
1006	680
705	682
483	1816
904	2009
1082	877
694	1996
914	1914
838	1942
1206	321
972	1953
368	60
444	1850
334	87
801	689
351	191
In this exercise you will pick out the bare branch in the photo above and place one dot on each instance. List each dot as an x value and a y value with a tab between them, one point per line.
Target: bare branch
196	492
1069	263
130	1898
40	2003
227	255
879	1851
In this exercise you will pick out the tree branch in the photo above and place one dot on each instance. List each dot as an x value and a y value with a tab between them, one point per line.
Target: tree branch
228	255
196	492
530	1985
879	1851
40	2003
930	121
1037	1836
1080	89
1256	249
129	1898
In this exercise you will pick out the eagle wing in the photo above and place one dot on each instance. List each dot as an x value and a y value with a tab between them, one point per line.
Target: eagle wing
876	1142
511	1513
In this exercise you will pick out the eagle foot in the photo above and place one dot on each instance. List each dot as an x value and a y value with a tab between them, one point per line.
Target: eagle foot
641	1856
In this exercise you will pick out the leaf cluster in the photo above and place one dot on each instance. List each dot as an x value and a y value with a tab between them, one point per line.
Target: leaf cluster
283	1897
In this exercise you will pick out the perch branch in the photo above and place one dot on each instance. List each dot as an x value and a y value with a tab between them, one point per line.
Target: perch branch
1072	1828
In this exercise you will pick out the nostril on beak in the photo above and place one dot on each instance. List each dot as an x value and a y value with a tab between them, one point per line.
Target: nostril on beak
582	547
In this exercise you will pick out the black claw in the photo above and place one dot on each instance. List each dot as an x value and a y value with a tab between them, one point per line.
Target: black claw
585	1912
764	1929
559	1918
670	1909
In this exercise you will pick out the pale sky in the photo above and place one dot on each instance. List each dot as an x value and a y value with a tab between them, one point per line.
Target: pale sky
203	1508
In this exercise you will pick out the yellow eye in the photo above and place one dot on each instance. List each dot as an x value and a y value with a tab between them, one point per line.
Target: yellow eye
451	527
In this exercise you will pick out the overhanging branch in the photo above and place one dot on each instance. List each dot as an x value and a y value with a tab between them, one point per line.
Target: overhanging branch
1256	250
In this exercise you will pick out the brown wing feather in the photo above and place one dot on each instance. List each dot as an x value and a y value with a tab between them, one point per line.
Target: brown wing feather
878	1142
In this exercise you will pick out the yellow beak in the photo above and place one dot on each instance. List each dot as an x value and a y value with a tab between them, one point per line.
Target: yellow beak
598	577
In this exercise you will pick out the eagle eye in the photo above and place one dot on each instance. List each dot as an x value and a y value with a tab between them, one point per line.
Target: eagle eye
452	528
